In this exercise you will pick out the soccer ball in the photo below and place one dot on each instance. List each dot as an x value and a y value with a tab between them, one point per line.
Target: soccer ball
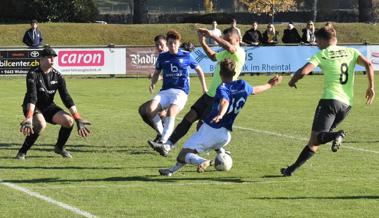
223	162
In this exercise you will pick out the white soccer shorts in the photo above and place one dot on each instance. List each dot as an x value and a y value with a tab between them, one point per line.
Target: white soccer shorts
171	96
208	138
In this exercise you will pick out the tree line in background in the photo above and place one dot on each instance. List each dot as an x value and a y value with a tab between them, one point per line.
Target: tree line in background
49	10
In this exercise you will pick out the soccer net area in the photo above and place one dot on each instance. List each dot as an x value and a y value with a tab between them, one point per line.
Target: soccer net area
139	61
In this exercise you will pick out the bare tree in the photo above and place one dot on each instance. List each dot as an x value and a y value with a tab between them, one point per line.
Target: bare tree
140	11
365	10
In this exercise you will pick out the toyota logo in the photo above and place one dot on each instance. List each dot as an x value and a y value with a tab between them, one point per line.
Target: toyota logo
34	54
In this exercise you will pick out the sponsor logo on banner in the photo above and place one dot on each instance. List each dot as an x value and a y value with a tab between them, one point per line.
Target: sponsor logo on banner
141	60
81	58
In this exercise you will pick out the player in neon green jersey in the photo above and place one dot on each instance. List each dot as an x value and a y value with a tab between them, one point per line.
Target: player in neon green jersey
230	43
338	64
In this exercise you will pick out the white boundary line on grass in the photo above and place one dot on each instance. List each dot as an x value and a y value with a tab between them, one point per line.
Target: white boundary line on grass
298	138
48	199
292	137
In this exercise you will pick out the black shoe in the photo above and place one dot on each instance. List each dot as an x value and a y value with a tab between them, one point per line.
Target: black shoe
62	152
285	172
157	138
337	142
153	144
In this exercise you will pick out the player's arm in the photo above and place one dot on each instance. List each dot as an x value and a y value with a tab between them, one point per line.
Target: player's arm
370	92
83	131
201	76
202	40
224	104
300	73
154	80
221	42
26	126
271	83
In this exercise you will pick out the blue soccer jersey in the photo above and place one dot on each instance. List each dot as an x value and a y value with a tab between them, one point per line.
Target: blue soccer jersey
175	69
236	93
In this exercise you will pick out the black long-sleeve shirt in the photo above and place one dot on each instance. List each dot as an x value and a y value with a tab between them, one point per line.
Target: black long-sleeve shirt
41	88
252	36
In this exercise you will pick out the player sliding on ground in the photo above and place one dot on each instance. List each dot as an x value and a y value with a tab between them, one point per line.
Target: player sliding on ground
230	43
338	64
42	83
215	132
173	95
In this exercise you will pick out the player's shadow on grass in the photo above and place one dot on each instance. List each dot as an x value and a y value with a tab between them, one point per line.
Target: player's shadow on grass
363	197
80	148
60	168
361	142
131	179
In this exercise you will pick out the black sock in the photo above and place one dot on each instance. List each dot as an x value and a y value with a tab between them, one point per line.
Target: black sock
28	143
305	155
180	131
325	137
64	134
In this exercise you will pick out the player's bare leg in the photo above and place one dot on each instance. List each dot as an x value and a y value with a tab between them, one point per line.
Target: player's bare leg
66	122
39	124
153	109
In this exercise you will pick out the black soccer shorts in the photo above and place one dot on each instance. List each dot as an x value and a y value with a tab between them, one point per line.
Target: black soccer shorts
329	113
203	106
48	112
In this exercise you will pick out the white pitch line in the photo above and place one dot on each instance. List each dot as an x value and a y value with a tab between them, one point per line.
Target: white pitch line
298	138
48	199
292	137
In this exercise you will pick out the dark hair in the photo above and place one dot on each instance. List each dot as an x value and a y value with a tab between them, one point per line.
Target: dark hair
34	21
230	30
173	34
326	33
159	37
188	46
227	68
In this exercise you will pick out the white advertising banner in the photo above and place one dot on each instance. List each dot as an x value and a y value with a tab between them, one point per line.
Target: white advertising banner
373	55
94	61
270	59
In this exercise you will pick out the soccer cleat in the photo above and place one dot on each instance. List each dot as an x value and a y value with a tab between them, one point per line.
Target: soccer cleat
285	172
203	166
154	144
62	152
337	142
20	156
165	172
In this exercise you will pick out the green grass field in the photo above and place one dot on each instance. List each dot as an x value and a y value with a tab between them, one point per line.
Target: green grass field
79	34
114	173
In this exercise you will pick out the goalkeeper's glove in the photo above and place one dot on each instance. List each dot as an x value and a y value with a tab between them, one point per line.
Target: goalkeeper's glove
83	131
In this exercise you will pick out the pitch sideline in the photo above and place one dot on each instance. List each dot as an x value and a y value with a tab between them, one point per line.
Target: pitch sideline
48	199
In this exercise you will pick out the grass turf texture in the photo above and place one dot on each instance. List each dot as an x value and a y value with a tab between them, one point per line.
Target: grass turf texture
114	173
98	34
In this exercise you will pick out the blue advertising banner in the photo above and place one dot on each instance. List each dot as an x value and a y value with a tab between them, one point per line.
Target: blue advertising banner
272	59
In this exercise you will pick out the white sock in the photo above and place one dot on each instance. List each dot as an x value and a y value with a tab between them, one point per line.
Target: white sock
194	159
169	124
170	143
177	167
158	124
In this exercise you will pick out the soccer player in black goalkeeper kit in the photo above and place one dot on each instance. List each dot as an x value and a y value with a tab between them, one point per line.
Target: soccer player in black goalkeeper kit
42	83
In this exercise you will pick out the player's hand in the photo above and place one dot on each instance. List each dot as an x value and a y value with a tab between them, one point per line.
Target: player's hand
26	126
83	131
275	80
151	88
370	95
217	119
204	32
